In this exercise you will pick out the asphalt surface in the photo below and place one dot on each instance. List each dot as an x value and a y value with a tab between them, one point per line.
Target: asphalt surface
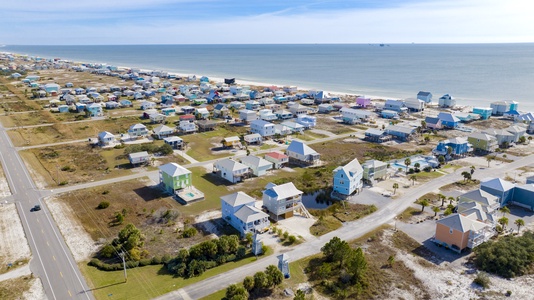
52	260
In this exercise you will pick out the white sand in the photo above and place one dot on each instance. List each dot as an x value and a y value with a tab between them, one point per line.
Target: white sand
13	243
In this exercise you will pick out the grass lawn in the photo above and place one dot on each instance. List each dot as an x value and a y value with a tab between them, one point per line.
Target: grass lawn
408	213
335	215
146	282
426	176
213	188
200	144
27	119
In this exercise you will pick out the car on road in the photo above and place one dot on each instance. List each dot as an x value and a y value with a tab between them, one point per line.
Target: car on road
37	207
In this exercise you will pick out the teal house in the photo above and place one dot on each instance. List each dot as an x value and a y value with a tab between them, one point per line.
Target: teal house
174	177
484	112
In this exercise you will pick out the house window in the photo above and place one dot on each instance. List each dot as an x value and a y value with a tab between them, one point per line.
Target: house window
450	230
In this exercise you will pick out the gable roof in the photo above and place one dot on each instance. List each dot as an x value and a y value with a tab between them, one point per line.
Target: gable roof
448	117
352	168
462	223
255	161
137	126
138	154
481	136
237	199
105	135
497	184
421	93
163	128
516	129
283	191
481	197
373	163
276	155
249	214
403	129
230	165
300	148
432	120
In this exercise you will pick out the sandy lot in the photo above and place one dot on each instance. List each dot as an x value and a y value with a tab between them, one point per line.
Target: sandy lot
79	241
36	291
13	245
4	187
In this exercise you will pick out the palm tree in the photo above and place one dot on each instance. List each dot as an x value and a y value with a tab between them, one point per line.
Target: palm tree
503	221
442	198
505	210
424	203
529	139
472	170
435	209
466	175
449	151
519	223
451	199
417	166
407	163
395	187
413	178
423	124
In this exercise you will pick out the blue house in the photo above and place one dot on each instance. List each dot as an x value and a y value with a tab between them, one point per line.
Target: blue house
498	187
125	103
448	120
400	132
395	105
425	96
63	108
484	112
348	179
389	114
239	211
95	109
460	146
51	87
80	107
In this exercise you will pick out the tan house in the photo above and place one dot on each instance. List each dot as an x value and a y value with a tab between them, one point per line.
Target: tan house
458	232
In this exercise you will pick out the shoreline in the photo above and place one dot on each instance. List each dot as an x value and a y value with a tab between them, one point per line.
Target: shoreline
459	107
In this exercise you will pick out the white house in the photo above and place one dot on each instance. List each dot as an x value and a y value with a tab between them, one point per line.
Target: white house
231	170
278	159
351	115
298	110
348	178
147	105
187	127
300	153
137	130
264	128
267	115
106	138
446	101
163	131
239	211
253	138
138	158
414	104
282	200
294	126
246	115
257	165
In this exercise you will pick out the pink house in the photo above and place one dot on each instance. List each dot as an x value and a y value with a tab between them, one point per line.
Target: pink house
363	102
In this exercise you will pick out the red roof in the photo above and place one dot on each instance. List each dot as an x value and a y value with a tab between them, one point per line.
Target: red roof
187	117
276	155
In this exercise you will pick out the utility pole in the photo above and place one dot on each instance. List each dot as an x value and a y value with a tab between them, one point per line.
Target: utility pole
124	264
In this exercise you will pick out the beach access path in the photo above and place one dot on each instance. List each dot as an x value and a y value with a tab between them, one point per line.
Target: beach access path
350	231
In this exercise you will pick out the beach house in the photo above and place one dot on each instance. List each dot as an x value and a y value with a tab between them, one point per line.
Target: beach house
187	127
253	138
220	110
282	200
459	147
252	105
231	170
374	169
264	128
425	96
293	126
283	114
414	104
137	130
376	135
448	120
278	159
488	202
395	105
206	125
51	88
307	121
173	177
138	158
325	108
503	137
239	210
94	109
389	114
106	138
267	115
247	116
258	166
517	131
446	101
348	178
482	142
352	116
301	154
175	142
433	122
363	102
498	187
156	118
458	232
231	142
402	133
484	112
499	107
163	131
298	110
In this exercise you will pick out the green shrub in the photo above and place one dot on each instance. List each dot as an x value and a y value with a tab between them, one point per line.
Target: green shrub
103	204
189	232
482	280
292	239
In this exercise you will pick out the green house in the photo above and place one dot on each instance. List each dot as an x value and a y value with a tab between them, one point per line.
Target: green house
482	142
374	169
174	177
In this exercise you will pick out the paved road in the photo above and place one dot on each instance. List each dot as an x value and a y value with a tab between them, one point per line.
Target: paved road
52	260
350	231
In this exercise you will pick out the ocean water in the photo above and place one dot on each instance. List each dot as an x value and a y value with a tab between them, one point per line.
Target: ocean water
475	74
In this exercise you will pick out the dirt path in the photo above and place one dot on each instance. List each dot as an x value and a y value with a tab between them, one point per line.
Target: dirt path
78	240
13	245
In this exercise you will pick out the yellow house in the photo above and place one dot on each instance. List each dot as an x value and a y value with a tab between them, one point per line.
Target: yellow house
232	141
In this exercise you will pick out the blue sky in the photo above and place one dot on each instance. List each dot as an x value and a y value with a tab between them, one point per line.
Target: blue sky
254	21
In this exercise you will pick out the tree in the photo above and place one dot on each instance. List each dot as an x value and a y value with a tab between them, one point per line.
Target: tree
248	283
427	139
274	275
335	250
529	139
505	145
423	124
489	159
472	170
235	292
356	265
466	175
503	221
447	212
435	209
519	223
441	159
424	203
165	149
299	295
449	151
505	210
522	139
451	199
413	178
395	187
260	281
442	198
407	163
416	166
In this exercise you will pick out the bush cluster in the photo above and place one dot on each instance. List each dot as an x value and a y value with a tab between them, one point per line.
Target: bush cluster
103	204
164	149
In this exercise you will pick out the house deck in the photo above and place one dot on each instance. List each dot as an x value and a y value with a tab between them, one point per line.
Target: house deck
189	195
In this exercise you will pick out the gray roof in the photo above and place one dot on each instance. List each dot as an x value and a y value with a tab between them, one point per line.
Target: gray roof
407	130
373	131
255	161
163	128
105	134
481	197
230	165
497	184
138	154
174	169
432	120
249	214
352	168
462	223
300	148
481	136
237	199
374	163
283	191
